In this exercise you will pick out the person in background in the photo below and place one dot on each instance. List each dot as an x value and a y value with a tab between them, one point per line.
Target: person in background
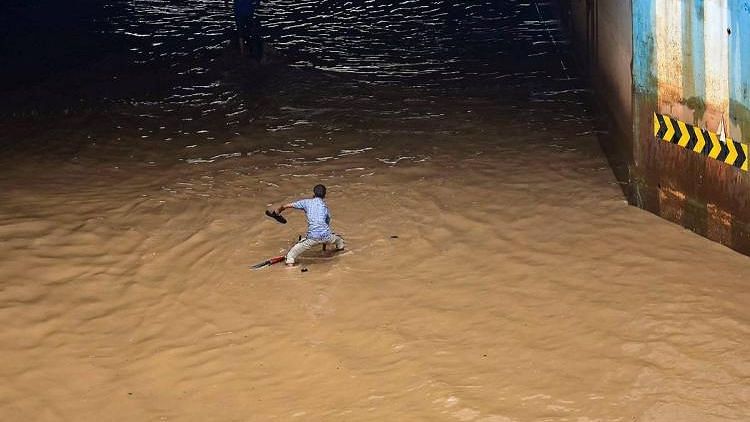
248	27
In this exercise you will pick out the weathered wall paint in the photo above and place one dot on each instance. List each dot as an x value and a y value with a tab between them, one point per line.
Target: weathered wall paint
669	65
694	81
716	42
692	53
739	67
697	81
644	45
690	61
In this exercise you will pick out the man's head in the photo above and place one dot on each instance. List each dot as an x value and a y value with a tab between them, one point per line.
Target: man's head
319	191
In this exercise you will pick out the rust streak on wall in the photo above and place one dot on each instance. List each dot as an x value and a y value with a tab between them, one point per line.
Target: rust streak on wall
689	59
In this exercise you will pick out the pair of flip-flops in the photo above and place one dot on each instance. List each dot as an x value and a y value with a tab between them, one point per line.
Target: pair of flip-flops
276	216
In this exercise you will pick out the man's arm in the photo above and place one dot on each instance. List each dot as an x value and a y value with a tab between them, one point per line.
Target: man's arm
281	209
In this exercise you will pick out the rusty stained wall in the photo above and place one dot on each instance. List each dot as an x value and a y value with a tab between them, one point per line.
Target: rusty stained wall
691	60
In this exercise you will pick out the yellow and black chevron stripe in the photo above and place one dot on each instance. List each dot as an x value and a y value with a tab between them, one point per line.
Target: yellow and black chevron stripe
701	141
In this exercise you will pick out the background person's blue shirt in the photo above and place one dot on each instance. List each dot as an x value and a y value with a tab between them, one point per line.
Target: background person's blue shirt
245	7
318	218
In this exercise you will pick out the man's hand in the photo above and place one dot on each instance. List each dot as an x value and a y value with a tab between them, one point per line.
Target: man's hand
281	209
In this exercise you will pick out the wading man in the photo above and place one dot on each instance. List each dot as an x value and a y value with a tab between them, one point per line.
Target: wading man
318	224
248	27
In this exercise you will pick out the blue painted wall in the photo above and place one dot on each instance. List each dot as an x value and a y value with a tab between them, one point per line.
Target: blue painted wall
739	60
643	46
695	85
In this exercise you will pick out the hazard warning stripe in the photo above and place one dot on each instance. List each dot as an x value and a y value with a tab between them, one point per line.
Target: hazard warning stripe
701	141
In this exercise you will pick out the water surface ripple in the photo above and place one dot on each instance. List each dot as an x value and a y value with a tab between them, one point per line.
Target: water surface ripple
494	272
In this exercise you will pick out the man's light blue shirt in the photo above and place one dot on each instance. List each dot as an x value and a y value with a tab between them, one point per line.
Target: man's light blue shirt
318	218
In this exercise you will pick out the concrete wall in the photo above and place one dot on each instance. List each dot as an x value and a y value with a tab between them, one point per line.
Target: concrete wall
602	36
602	32
690	62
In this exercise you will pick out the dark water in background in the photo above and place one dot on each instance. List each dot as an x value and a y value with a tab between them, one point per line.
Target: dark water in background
165	70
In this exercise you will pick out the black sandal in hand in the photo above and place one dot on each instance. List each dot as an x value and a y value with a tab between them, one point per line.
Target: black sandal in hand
276	216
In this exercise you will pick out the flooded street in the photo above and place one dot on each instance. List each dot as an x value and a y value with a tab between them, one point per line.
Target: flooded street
494	271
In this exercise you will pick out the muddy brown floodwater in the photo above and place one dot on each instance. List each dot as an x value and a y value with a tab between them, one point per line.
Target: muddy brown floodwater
494	271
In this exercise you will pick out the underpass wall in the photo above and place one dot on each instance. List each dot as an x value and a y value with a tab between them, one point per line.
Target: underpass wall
682	108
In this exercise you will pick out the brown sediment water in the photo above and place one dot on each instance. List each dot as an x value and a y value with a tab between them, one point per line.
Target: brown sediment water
494	271
521	287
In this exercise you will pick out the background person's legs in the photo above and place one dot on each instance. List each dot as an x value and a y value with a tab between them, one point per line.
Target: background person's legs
243	31
255	38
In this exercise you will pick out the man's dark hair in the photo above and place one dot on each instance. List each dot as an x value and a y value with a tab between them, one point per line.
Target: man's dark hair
319	191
